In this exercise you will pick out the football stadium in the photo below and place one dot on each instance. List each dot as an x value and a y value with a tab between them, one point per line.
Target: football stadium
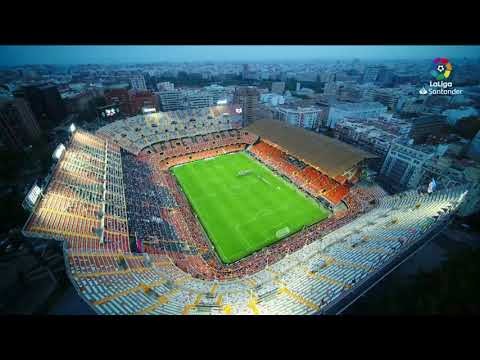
244	206
190	212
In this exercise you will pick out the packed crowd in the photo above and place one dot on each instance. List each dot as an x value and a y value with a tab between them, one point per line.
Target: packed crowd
190	249
306	177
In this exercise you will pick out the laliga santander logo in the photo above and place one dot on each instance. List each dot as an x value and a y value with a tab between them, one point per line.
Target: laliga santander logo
442	70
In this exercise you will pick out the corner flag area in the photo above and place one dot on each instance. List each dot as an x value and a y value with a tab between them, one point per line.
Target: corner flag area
244	206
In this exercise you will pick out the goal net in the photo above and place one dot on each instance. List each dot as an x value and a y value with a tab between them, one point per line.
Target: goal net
282	232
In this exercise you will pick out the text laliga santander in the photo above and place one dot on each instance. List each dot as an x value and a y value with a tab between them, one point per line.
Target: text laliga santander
441	84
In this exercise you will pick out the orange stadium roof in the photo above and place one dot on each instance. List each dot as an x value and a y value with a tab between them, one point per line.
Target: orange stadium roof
332	157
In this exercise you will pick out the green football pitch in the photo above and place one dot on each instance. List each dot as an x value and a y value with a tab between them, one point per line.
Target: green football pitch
242	205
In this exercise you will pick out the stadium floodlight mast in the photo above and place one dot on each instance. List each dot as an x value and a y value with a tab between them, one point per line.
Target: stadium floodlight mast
58	152
72	128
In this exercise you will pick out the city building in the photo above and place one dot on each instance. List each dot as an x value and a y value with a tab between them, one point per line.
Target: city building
245	70
219	94
428	127
403	165
278	87
305	117
369	136
411	105
139	100
309	76
363	110
372	73
408	166
347	91
474	148
46	104
449	171
247	97
405	78
272	99
248	73
330	88
120	98
77	102
386	96
310	93
198	99
265	112
138	82
170	100
165	86
18	126
453	115
182	99
385	77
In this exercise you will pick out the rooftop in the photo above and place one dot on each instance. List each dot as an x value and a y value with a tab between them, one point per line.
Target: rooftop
296	108
332	157
358	106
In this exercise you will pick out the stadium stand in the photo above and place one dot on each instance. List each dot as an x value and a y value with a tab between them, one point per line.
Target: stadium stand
140	132
330	156
307	281
304	176
84	201
102	193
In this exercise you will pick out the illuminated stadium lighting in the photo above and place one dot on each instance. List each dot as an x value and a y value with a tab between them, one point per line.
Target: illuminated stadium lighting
149	110
73	128
238	110
222	102
33	195
57	154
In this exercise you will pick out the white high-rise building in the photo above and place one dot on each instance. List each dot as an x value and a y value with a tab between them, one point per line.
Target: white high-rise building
363	110
165	86
170	100
403	165
138	82
272	99
199	100
305	117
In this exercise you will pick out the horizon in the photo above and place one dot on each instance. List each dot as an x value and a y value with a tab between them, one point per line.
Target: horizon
72	55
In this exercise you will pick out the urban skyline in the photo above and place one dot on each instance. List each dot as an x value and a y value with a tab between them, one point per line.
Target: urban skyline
112	54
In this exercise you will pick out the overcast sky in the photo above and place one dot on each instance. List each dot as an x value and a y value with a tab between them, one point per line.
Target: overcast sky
20	55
